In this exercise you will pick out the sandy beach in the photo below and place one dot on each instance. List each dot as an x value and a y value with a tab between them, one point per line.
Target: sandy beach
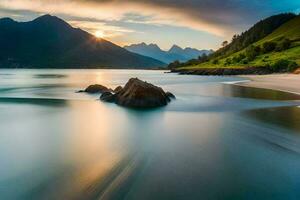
283	82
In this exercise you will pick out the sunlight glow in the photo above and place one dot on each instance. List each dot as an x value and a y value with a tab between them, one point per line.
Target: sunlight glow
99	34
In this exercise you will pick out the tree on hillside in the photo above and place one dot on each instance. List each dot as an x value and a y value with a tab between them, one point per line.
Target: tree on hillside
225	43
255	33
247	38
234	37
203	58
269	46
251	52
174	64
283	44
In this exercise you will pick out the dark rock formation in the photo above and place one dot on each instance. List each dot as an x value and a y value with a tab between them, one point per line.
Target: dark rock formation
108	97
139	94
170	95
96	89
118	89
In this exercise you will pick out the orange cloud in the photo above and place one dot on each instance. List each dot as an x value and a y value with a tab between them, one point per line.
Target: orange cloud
107	31
116	10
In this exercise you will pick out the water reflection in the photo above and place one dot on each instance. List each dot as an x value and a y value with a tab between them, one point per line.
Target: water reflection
102	154
286	117
34	101
55	76
257	93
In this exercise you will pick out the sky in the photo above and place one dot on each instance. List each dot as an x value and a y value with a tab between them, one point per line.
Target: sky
201	24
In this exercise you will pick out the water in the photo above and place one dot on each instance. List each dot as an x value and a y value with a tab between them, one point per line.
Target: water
216	141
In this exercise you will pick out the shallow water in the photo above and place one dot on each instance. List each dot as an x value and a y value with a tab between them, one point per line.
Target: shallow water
215	141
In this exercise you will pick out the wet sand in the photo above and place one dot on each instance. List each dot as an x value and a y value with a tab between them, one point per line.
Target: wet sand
283	82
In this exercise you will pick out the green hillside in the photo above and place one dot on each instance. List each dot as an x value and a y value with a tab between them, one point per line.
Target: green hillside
290	30
257	32
279	51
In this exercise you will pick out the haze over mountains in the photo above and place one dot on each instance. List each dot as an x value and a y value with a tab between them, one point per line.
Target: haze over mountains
50	42
175	52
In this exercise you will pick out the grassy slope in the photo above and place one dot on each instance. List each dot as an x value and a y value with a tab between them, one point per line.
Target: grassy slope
290	30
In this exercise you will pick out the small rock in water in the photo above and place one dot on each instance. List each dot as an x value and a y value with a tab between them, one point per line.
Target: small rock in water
118	89
96	89
170	95
108	97
139	94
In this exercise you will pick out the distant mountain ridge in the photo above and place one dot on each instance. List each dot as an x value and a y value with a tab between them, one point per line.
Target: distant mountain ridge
175	52
50	42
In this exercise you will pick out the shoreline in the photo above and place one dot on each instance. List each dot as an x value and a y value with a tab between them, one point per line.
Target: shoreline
256	77
223	71
281	82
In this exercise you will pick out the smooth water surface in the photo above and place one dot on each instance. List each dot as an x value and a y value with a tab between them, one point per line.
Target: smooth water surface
215	141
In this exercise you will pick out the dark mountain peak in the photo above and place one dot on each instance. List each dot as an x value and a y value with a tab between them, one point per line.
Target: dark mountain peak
48	41
175	53
7	20
47	18
51	20
175	49
189	49
154	46
143	46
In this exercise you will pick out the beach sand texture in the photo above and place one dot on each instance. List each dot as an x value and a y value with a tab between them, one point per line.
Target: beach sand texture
283	82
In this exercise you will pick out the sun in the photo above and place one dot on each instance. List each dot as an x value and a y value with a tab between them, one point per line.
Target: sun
99	34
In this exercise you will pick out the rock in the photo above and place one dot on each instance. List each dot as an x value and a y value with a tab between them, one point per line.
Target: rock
118	89
170	95
96	89
108	97
139	94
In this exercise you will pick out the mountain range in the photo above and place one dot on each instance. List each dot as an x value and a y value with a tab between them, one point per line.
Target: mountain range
50	42
173	54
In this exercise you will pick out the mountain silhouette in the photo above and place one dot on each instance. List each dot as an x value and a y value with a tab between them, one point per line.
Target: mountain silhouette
50	42
175	52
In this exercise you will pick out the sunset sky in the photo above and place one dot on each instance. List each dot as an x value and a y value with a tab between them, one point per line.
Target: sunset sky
202	24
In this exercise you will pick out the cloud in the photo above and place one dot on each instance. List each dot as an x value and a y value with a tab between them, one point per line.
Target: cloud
219	17
93	27
167	13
